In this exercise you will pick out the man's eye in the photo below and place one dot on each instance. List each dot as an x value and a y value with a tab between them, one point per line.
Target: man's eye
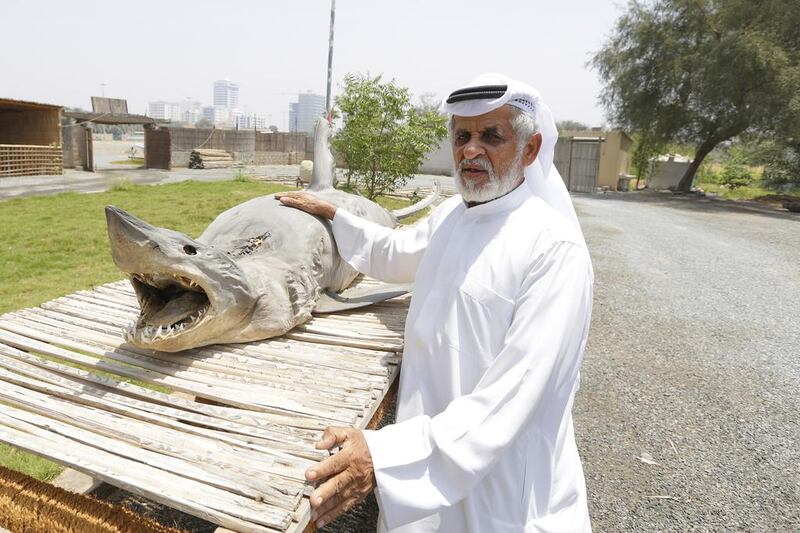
492	138
461	138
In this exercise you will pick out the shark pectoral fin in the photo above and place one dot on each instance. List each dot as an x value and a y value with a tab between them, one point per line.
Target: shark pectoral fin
331	302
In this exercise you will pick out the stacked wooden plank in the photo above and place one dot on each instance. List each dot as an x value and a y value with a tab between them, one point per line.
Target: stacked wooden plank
30	160
208	158
71	390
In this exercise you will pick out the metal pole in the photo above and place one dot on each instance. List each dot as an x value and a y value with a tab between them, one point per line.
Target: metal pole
330	59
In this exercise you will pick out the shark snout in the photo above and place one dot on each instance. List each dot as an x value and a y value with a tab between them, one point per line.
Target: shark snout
123	224
135	244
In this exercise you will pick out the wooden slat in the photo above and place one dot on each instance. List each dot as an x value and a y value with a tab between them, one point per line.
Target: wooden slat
65	393
22	160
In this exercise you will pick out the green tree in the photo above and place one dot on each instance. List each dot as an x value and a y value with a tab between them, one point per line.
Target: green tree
644	154
571	125
384	138
781	162
703	71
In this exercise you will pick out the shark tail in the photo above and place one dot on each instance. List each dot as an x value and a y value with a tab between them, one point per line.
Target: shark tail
323	175
419	206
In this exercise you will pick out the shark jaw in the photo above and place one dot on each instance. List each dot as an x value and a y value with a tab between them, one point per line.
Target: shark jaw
190	294
171	306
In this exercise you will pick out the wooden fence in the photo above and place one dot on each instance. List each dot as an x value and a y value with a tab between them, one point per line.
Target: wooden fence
30	160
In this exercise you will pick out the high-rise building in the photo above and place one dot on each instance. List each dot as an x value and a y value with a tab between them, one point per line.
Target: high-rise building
159	109
251	121
221	117
292	116
208	113
226	94
304	113
186	111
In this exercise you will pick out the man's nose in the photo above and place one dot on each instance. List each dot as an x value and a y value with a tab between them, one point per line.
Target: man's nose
473	149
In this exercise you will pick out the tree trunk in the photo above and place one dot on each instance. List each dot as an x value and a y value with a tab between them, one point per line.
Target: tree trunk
703	150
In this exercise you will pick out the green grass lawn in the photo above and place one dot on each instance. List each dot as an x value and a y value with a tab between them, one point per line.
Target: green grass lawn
749	192
55	245
131	161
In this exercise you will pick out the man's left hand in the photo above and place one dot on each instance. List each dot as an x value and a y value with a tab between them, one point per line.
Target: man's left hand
348	474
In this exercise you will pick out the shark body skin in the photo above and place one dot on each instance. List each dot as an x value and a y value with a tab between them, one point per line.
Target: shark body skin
257	271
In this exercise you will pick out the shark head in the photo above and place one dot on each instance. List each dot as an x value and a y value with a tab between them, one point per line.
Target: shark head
190	294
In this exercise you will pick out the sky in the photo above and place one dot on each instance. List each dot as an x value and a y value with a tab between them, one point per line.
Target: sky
63	52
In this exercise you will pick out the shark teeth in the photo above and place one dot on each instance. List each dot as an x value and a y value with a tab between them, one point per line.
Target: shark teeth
155	279
152	333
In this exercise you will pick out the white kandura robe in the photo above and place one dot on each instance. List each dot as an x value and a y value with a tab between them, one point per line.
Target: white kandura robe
494	337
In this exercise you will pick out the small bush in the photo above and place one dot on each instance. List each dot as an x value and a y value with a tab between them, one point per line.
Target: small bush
735	175
709	173
122	185
736	172
242	175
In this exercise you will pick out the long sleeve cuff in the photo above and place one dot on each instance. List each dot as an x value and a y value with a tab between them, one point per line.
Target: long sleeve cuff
400	444
393	449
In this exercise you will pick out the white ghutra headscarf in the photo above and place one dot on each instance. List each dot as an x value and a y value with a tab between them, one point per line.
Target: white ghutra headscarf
489	91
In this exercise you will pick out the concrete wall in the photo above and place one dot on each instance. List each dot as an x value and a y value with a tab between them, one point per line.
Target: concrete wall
73	145
439	161
615	158
281	158
283	142
248	146
157	152
666	174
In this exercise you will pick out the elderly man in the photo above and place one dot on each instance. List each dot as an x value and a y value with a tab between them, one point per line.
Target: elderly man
498	322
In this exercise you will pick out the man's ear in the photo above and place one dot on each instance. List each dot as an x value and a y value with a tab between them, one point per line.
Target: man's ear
531	149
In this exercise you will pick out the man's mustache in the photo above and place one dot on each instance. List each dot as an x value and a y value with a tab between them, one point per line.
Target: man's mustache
479	161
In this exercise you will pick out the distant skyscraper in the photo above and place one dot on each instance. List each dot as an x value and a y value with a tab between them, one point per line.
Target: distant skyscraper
250	121
165	110
185	111
304	113
292	116
226	94
158	109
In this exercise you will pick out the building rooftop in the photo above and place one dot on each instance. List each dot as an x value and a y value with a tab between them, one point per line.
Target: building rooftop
9	103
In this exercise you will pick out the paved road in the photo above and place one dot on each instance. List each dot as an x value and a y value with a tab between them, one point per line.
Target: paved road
694	359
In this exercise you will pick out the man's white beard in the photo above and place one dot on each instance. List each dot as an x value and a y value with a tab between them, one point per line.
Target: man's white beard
495	187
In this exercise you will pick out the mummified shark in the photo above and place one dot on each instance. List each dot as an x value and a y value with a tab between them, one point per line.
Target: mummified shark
257	271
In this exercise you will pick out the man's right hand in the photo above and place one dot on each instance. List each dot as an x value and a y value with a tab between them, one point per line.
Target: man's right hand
307	202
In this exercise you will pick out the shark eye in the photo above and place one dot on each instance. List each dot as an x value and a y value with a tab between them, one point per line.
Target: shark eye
190	250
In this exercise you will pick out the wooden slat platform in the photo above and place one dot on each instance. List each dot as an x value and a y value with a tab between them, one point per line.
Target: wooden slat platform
233	447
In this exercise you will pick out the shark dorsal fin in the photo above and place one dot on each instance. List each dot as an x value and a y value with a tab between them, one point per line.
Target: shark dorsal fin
323	175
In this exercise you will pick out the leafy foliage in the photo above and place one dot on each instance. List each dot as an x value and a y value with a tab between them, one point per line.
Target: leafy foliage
703	71
571	125
736	173
645	150
384	137
780	159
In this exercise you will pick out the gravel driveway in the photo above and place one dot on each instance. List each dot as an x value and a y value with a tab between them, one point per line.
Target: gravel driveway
693	363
